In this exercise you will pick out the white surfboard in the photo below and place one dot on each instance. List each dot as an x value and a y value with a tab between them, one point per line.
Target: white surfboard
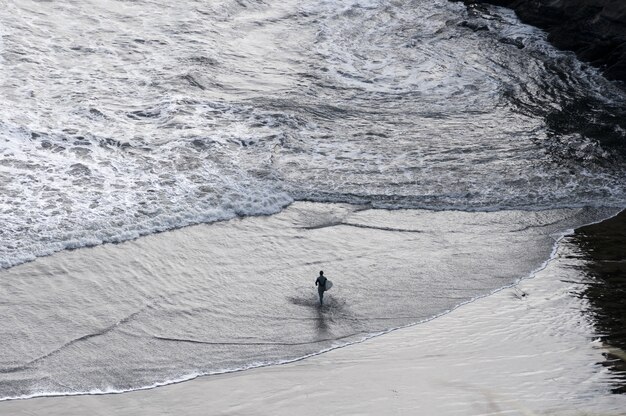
328	285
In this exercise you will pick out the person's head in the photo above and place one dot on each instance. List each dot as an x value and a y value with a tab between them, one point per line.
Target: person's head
321	273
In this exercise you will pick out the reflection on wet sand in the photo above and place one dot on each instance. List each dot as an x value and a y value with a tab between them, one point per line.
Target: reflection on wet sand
321	324
603	247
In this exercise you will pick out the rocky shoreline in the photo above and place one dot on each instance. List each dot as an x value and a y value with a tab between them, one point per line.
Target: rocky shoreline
594	29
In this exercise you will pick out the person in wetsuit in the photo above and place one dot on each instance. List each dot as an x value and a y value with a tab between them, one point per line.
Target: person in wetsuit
321	286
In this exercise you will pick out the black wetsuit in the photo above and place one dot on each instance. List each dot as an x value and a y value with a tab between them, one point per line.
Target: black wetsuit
321	287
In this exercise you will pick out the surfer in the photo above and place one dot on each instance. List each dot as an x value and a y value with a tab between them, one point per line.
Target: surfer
321	286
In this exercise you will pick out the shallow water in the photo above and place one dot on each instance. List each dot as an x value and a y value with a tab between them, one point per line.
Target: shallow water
240	294
534	348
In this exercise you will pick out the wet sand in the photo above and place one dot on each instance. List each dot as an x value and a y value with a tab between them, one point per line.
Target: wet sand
603	248
537	348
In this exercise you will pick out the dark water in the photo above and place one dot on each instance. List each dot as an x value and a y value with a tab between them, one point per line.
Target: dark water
123	119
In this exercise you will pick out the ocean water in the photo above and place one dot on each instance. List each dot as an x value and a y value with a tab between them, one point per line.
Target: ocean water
124	119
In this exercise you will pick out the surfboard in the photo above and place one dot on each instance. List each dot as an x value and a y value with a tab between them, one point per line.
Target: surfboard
328	285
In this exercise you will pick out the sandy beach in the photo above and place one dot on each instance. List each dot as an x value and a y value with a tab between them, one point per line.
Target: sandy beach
528	349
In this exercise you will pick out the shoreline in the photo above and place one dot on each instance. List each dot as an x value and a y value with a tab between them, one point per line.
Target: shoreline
58	403
138	234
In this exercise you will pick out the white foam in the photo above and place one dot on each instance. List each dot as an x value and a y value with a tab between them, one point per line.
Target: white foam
111	129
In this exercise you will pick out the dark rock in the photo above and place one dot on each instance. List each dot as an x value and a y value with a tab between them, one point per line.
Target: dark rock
594	29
